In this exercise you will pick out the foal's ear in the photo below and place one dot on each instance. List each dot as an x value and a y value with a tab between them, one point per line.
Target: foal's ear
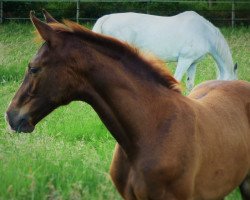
48	17
45	31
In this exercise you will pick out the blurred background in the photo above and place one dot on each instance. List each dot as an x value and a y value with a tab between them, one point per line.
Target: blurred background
219	12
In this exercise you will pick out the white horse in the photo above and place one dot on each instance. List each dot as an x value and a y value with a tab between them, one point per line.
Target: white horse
185	38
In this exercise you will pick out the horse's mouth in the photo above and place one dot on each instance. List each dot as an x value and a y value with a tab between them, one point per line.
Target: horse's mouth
25	127
22	125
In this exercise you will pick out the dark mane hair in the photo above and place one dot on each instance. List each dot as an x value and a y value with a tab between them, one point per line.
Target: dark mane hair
155	66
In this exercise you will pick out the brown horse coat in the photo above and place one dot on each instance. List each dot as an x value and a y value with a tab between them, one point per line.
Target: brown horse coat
199	152
170	147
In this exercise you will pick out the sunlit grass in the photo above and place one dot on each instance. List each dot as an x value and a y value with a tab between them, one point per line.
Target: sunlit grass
67	157
69	154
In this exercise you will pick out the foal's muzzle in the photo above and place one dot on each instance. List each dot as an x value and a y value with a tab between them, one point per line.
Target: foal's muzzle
19	123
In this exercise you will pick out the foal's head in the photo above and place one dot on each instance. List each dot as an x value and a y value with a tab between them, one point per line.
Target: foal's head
50	79
67	67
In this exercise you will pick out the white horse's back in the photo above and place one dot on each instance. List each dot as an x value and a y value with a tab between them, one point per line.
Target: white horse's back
185	38
147	32
151	32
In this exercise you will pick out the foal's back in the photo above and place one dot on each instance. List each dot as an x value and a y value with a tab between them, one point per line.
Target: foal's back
216	88
224	99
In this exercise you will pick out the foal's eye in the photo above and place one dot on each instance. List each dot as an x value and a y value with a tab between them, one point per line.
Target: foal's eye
33	70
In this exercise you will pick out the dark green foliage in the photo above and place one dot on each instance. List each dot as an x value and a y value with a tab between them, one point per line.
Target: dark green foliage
218	13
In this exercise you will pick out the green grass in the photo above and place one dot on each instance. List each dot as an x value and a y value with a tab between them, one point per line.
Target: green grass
69	154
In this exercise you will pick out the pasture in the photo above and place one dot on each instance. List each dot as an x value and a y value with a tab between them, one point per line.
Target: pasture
68	155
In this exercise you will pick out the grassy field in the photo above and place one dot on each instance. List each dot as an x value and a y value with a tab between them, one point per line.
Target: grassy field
69	154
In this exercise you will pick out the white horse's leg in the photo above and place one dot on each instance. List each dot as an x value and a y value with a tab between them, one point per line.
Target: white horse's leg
182	67
191	76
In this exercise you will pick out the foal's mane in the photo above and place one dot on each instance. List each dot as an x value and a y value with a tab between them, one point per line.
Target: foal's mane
155	66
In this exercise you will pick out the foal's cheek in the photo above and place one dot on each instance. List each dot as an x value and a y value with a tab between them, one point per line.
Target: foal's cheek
55	96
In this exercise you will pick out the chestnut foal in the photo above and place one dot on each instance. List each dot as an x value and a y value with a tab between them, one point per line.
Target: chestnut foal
170	147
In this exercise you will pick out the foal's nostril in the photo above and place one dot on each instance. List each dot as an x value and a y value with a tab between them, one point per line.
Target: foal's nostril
21	122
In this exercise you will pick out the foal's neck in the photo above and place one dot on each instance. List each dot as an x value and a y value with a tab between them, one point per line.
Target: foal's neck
123	95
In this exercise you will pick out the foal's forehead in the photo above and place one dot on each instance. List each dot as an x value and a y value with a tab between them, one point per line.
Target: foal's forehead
40	55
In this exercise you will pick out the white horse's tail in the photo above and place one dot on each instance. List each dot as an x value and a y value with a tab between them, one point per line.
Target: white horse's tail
98	25
223	57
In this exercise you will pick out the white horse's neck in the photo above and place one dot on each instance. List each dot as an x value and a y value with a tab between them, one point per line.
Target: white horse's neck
222	55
